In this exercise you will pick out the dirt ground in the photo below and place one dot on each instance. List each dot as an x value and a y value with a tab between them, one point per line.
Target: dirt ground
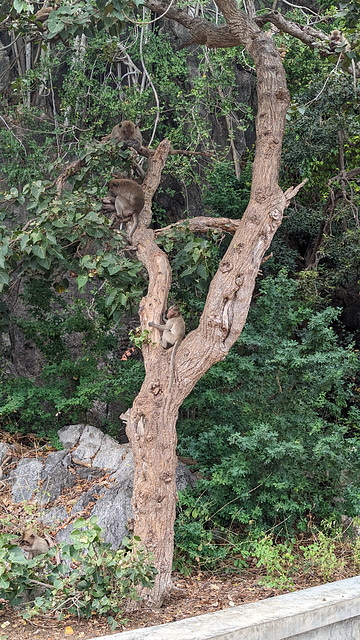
192	596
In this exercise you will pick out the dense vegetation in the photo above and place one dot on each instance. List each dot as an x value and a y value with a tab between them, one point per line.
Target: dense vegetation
275	428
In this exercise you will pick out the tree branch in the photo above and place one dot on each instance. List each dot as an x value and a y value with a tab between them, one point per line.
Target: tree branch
148	252
308	35
202	32
72	169
201	224
313	38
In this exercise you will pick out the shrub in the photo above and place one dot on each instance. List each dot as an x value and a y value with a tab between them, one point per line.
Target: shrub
90	579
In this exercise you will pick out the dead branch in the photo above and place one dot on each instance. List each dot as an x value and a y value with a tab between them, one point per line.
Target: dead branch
72	169
292	191
201	224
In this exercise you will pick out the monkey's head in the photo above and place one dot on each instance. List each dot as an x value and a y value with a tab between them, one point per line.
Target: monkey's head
336	36
127	128
114	185
28	537
173	311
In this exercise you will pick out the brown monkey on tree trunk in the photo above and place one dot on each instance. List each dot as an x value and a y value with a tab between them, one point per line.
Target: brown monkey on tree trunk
173	332
124	200
126	132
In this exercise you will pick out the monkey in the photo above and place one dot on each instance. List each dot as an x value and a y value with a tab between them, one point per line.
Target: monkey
126	198
33	544
337	39
126	132
173	332
43	13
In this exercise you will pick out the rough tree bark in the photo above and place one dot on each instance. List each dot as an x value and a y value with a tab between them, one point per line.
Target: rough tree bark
151	424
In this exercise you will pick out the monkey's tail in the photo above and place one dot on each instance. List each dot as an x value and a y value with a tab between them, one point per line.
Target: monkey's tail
172	366
133	226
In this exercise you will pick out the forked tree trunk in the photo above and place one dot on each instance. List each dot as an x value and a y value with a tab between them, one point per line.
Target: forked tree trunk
152	420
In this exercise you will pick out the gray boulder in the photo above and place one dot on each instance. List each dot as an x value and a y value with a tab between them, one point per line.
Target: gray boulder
25	479
88	455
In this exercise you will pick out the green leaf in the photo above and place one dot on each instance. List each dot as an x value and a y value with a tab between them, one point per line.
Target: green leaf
24	240
20	6
39	251
203	273
81	281
4	277
93	216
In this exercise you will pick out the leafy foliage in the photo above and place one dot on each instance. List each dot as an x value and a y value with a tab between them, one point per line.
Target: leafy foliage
272	427
90	579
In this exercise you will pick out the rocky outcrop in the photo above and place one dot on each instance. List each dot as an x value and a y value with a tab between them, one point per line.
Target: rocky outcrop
90	455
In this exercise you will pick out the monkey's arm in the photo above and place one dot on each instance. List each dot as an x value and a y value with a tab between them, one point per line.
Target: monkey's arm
162	327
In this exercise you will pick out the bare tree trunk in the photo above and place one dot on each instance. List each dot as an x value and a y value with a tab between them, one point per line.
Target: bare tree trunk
152	433
152	419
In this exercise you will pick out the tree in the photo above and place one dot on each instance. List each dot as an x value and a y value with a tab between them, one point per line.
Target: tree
151	423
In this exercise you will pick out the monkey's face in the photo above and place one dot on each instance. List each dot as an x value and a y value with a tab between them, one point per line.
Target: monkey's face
27	540
173	312
113	186
127	129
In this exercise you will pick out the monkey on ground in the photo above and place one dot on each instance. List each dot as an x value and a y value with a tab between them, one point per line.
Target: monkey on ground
173	332
126	132
125	199
33	544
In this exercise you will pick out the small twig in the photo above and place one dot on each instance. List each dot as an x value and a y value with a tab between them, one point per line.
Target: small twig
10	129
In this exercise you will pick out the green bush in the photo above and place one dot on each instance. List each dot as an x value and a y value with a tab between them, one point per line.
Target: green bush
274	428
90	579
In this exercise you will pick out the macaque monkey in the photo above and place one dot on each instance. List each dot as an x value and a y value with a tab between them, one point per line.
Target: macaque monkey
33	544
173	332
337	39
126	132
125	199
43	13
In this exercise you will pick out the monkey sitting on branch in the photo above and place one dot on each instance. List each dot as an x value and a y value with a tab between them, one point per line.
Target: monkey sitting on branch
33	544
337	39
124	201
127	133
173	332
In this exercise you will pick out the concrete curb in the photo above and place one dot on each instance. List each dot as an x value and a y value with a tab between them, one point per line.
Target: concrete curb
328	612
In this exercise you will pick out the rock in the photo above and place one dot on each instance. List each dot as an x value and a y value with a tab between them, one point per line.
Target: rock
5	450
97	457
54	515
125	470
89	444
113	511
57	476
86	498
25	479
70	436
184	477
5	67
110	454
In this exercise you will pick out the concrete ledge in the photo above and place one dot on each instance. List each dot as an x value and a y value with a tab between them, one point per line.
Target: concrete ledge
328	612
